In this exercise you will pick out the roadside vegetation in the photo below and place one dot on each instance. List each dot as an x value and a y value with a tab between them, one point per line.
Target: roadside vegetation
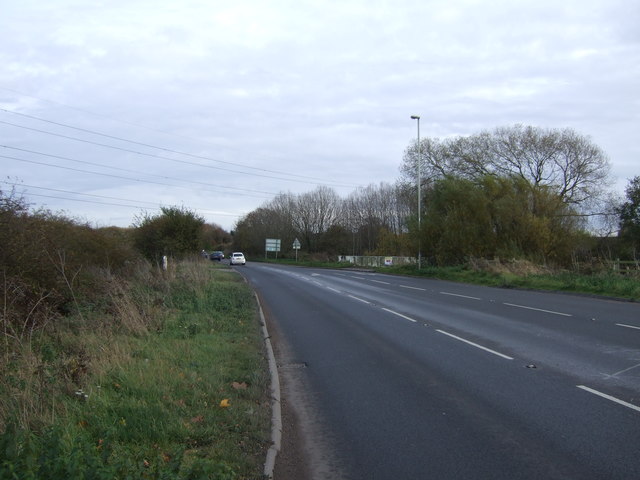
114	368
516	206
514	274
527	276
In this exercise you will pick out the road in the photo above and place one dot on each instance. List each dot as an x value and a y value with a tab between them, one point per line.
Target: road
410	378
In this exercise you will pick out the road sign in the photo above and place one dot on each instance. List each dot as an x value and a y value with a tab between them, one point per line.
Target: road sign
296	247
272	245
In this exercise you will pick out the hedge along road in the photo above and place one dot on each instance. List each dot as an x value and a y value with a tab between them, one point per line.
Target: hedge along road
416	378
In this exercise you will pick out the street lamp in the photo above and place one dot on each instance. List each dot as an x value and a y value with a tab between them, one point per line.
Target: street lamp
417	117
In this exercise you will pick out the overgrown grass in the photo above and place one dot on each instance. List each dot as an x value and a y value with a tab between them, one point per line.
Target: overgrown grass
173	385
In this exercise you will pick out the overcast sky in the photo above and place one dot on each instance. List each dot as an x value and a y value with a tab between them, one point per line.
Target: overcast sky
111	108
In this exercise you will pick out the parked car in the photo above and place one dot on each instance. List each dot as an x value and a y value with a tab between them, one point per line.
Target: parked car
216	256
237	258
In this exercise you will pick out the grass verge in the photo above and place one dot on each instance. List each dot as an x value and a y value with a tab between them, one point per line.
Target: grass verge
604	283
607	284
185	399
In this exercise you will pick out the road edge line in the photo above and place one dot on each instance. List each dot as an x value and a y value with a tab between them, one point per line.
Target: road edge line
276	409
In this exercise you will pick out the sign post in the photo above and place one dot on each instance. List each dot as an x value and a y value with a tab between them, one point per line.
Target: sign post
271	245
296	247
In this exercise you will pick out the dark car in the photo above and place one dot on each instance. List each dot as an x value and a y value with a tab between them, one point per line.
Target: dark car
216	256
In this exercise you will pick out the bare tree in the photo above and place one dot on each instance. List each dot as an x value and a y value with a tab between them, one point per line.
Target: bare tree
315	212
561	159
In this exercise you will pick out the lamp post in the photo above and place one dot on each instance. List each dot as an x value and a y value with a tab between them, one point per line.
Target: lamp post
417	117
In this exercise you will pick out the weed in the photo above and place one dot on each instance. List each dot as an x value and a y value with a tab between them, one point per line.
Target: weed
135	391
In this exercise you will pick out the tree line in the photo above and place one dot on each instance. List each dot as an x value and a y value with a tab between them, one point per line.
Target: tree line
513	192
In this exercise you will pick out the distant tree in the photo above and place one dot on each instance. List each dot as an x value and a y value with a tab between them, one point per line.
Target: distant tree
314	213
175	232
274	219
629	215
374	209
336	240
214	237
251	231
392	244
324	222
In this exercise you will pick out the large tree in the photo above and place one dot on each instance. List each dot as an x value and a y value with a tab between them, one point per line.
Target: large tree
496	216
565	162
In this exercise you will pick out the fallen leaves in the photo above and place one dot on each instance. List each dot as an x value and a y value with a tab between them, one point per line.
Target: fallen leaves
225	403
198	419
239	386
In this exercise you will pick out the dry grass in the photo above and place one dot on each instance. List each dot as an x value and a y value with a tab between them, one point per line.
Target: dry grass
518	267
147	368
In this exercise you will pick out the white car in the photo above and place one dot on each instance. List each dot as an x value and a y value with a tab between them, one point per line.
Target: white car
237	258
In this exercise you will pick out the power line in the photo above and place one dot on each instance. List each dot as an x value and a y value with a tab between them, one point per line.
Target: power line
304	178
75	193
156	156
102	196
113	176
152	130
134	171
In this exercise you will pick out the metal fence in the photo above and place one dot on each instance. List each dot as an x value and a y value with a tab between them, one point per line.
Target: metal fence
376	261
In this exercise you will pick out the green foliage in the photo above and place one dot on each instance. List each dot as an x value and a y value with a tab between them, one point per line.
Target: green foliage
54	455
629	218
457	223
99	403
214	238
390	243
496	217
604	283
176	232
336	239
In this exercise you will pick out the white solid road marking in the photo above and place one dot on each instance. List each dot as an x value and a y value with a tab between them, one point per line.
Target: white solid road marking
360	300
627	326
414	288
475	345
458	295
609	397
400	315
538	309
380	281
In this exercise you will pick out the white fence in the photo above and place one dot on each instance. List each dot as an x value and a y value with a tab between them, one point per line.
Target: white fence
376	261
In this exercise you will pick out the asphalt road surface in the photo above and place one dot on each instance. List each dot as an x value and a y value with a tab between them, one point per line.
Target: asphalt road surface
412	378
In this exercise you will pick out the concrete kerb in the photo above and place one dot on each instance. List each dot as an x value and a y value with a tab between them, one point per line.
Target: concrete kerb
276	411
